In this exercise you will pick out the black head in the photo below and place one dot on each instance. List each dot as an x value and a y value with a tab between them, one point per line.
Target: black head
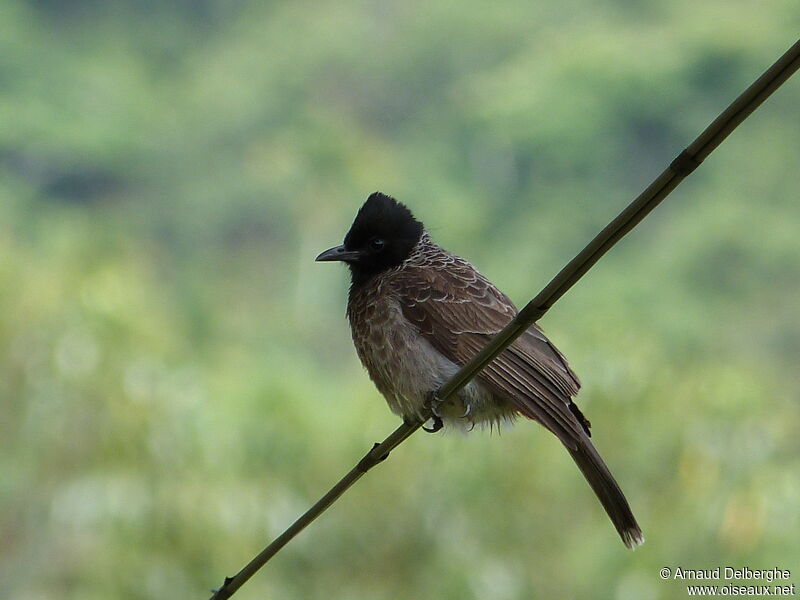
381	237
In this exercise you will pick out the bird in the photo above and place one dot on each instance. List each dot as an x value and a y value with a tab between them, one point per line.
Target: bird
418	312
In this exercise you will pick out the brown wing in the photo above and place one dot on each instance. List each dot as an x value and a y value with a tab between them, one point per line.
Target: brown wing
458	311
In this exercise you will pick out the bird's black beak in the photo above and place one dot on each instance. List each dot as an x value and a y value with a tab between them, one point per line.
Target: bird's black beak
339	253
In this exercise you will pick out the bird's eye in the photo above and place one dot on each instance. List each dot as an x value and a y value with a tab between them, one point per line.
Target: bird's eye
377	244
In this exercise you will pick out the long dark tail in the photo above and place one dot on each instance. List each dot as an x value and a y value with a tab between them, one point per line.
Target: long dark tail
607	490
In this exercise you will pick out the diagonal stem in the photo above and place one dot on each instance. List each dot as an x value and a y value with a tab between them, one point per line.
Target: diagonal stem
377	454
686	162
683	165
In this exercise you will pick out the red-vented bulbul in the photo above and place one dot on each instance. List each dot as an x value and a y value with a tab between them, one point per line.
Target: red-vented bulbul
418	313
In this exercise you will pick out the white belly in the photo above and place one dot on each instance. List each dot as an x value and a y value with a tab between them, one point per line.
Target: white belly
406	368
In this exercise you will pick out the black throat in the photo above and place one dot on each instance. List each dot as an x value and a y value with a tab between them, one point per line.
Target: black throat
362	273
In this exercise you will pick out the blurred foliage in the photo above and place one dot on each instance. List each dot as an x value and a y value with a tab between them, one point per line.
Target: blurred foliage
176	376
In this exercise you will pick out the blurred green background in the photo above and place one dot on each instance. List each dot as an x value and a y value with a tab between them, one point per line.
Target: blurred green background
176	374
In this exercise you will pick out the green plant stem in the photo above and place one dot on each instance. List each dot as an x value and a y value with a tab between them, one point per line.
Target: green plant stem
683	165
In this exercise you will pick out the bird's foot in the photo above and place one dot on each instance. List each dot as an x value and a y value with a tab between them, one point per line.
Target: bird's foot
433	402
437	425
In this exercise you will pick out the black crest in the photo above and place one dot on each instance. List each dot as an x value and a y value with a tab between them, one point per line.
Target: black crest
384	233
